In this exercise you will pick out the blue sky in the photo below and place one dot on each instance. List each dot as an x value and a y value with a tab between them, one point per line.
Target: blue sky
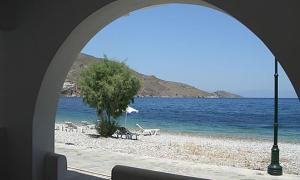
195	45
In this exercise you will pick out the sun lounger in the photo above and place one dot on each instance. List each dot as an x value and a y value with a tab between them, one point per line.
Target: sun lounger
57	127
70	126
148	131
122	132
87	127
84	123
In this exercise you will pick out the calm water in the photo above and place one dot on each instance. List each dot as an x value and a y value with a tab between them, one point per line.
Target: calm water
250	118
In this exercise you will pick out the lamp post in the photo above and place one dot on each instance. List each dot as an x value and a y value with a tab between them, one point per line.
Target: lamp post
274	168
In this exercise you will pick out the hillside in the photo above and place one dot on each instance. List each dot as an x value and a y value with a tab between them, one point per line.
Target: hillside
151	86
224	94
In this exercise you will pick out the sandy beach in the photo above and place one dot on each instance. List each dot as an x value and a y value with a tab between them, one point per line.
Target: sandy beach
198	156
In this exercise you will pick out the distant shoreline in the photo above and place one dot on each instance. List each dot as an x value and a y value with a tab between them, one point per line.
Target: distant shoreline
192	97
174	97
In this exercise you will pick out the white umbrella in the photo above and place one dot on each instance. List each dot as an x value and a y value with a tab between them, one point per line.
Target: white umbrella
130	110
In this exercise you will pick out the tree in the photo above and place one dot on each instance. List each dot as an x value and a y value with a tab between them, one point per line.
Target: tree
109	86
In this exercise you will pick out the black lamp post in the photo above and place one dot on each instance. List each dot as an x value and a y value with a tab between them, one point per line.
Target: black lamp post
274	168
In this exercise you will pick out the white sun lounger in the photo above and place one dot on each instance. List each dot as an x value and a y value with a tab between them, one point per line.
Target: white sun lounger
70	126
148	131
57	127
84	123
86	126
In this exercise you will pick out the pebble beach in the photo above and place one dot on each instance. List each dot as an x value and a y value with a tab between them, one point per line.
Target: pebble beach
248	154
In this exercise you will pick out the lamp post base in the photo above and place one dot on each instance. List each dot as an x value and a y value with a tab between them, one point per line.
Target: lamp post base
275	170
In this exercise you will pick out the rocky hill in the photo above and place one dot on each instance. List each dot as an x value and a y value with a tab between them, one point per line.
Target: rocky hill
151	86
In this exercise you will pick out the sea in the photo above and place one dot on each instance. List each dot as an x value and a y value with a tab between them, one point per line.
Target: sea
233	118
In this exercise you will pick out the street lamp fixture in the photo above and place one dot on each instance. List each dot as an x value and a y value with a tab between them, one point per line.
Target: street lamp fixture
274	168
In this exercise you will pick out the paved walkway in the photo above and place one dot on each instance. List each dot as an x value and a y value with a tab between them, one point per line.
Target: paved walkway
102	162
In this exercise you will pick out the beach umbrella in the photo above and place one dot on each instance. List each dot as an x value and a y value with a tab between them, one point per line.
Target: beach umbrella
129	110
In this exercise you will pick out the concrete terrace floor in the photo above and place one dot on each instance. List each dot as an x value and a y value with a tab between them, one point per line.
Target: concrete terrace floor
79	175
101	162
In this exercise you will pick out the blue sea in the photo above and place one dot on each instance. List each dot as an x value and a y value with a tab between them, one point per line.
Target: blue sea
235	118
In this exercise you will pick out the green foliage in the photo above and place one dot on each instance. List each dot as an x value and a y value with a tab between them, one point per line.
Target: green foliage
109	86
